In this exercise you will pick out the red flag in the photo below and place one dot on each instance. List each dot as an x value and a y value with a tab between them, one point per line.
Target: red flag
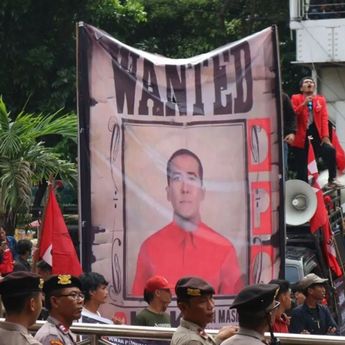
56	247
320	217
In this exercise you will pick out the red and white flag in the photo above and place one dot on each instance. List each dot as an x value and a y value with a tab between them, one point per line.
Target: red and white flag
56	246
320	219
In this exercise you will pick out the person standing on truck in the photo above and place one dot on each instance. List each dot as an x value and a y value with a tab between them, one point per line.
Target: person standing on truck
312	121
312	317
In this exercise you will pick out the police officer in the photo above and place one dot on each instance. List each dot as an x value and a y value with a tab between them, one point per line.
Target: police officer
64	301
256	308
195	300
22	298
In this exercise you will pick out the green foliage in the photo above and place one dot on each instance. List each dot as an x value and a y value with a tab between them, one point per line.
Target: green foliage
37	44
37	38
25	160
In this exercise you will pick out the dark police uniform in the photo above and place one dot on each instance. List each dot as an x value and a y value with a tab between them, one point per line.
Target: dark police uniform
253	301
53	332
13	286
189	332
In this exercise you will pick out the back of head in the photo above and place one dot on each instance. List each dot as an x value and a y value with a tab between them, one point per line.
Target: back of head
44	267
91	281
254	302
24	247
17	288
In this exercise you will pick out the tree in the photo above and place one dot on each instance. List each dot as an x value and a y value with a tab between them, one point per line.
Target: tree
37	44
25	160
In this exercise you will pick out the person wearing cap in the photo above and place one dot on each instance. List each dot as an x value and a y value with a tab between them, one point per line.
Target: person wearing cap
187	245
282	321
64	301
312	317
157	295
312	120
195	300
22	298
256	307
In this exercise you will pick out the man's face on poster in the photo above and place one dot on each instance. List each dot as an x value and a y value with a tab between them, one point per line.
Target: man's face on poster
184	190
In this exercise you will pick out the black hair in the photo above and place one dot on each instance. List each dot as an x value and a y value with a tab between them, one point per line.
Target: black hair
148	296
182	152
91	281
23	246
303	79
284	286
16	304
44	266
47	297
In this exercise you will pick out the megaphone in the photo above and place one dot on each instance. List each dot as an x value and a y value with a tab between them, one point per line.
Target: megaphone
300	202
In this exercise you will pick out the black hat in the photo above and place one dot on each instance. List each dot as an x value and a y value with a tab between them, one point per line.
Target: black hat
61	281
188	287
255	298
20	283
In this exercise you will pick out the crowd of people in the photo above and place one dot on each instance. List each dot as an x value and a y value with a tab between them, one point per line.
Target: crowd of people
66	298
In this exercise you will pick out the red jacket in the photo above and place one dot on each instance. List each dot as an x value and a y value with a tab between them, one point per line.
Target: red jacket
6	265
320	117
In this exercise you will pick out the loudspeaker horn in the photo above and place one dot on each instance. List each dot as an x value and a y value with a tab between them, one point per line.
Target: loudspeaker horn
300	202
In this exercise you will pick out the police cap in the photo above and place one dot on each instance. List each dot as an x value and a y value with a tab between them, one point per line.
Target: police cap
255	298
61	281
20	283
188	287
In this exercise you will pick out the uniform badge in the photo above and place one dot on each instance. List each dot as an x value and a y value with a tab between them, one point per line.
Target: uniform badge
55	342
62	328
40	286
64	279
193	292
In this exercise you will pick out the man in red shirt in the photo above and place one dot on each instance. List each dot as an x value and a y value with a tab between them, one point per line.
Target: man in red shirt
187	246
312	120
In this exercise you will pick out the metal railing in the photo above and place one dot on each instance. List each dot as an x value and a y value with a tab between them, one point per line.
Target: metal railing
309	9
137	333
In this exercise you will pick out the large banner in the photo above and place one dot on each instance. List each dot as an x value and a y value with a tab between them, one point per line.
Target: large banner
180	167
